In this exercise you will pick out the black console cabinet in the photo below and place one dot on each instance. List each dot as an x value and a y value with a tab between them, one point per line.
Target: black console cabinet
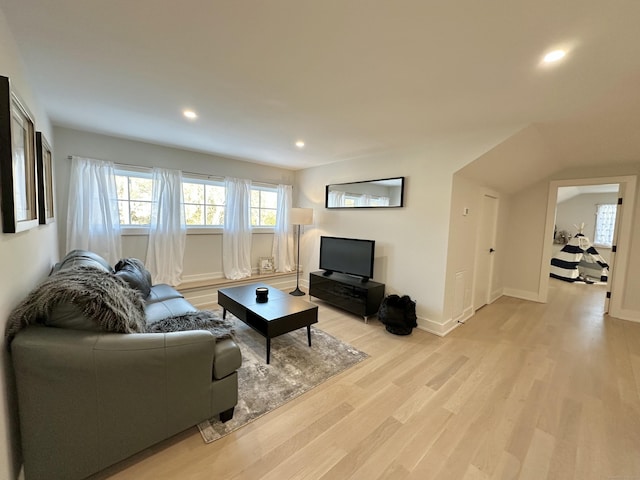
347	292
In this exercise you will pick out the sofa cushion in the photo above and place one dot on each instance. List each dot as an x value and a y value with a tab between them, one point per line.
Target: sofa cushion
132	271
168	308
162	292
85	258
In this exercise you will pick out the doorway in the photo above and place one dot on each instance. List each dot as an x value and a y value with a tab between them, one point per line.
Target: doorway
619	261
585	218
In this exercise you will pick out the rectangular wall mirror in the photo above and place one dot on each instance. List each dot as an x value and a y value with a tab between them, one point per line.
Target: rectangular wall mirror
382	193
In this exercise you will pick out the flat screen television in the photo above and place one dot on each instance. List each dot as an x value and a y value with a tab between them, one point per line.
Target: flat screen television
347	255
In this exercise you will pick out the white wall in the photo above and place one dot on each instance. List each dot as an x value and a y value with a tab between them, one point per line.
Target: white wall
631	300
26	259
203	252
517	162
462	250
411	242
525	230
468	194
509	170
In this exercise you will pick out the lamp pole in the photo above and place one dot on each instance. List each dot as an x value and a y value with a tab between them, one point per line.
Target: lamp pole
298	217
297	292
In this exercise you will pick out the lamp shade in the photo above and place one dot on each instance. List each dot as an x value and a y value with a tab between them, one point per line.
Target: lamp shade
301	216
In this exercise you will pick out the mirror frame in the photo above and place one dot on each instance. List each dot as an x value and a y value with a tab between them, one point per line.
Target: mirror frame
326	197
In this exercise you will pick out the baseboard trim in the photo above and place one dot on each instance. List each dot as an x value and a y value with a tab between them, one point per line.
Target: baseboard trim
496	295
202	277
206	296
439	329
630	315
522	294
195	282
466	315
443	329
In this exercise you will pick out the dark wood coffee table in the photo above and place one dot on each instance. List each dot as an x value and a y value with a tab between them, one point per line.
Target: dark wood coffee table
282	313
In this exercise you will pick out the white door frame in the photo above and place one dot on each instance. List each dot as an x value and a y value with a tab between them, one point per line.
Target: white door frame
619	271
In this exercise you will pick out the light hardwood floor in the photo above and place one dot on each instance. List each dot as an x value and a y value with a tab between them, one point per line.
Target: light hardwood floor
522	390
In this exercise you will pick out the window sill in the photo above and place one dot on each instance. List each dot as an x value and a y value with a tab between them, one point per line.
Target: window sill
133	231
224	282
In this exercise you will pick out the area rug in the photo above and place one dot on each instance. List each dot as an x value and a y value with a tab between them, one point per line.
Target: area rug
295	368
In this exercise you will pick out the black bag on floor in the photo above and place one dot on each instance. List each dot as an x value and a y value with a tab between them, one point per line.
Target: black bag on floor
398	314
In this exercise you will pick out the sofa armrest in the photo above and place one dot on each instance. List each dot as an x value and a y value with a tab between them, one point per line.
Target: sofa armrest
88	400
227	358
162	375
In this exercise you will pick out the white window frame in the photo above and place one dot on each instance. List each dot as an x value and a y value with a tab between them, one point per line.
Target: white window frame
264	188
203	229
133	228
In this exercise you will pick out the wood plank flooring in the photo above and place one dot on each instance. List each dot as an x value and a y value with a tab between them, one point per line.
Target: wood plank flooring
521	391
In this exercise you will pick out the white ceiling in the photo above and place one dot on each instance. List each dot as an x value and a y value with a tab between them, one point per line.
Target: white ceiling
348	77
566	193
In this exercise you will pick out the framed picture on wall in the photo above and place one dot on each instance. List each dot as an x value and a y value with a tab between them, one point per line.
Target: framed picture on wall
266	265
18	187
44	162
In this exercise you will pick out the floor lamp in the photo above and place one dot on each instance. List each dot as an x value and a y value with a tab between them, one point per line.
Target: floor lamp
297	217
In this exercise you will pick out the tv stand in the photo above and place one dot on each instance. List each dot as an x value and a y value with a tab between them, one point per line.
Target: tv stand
353	294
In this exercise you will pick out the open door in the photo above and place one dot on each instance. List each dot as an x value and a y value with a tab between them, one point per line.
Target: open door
614	246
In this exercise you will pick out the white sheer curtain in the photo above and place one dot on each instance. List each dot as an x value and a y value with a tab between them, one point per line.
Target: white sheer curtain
236	238
364	200
168	231
605	224
336	199
282	251
93	221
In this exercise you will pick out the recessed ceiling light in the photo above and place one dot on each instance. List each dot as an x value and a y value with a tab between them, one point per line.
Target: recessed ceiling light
554	56
300	144
190	114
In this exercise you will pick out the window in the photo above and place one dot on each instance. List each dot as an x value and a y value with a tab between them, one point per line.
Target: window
264	205
364	200
350	200
203	203
134	197
605	225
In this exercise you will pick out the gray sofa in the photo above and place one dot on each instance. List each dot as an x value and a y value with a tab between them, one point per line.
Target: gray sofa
89	398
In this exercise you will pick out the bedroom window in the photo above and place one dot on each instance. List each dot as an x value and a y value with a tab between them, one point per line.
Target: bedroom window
203	203
134	198
264	204
605	225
